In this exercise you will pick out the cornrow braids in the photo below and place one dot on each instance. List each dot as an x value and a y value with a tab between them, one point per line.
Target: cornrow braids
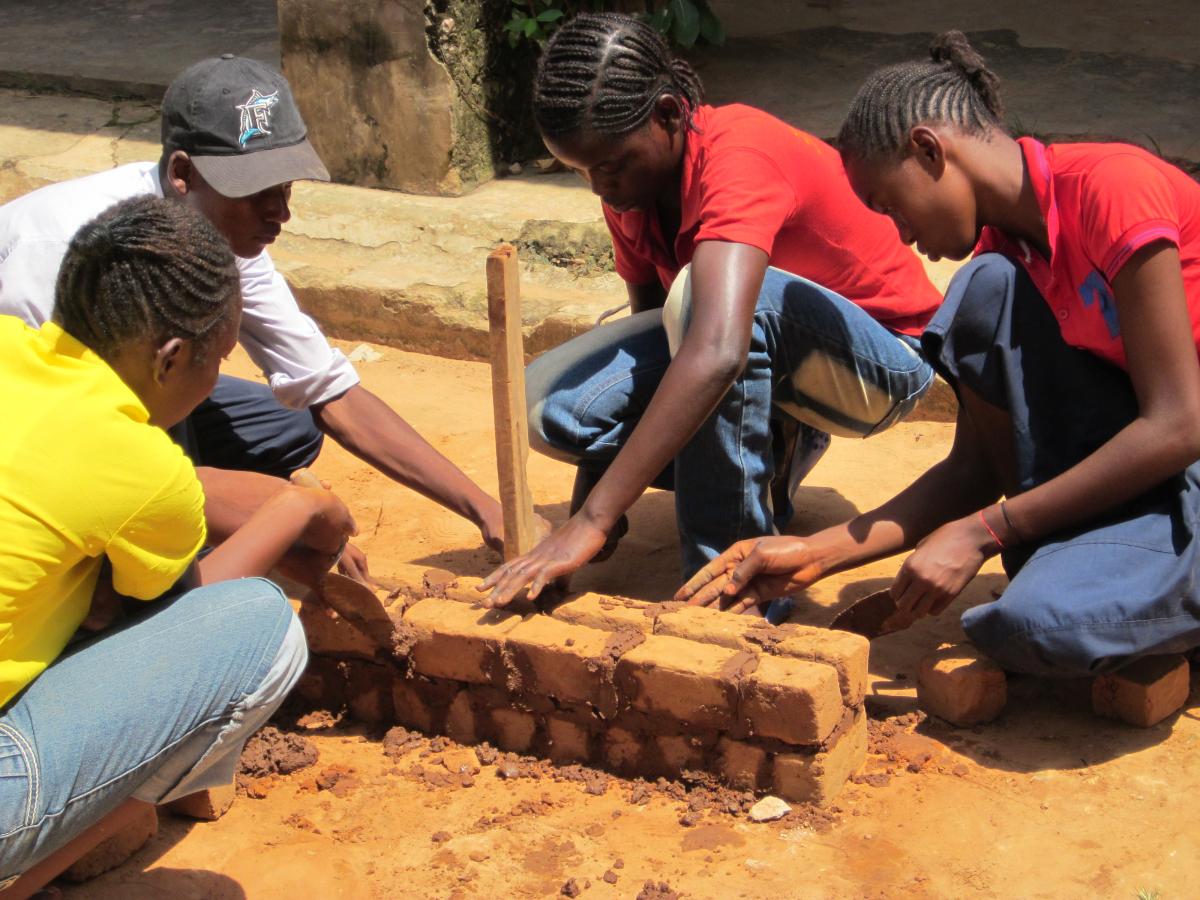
604	72
954	86
146	267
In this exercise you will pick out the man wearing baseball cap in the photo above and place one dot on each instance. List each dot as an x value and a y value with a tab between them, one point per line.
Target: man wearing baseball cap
233	142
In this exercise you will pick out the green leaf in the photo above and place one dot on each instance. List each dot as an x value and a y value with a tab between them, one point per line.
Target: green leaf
516	23
685	22
550	15
531	27
660	21
711	28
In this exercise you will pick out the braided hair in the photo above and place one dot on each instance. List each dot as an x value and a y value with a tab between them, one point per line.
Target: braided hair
146	267
953	86
604	72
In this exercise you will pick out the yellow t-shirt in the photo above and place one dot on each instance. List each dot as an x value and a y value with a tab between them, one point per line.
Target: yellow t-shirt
83	475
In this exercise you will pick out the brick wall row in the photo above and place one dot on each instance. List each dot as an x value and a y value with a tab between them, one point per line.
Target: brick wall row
639	689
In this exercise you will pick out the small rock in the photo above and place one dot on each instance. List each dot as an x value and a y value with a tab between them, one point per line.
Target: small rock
516	169
610	876
440	837
768	809
571	888
363	353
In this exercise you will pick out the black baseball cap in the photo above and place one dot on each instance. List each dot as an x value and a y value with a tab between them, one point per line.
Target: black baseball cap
236	119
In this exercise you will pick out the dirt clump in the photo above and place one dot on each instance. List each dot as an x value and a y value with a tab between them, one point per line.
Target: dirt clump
339	780
657	891
571	888
399	741
274	752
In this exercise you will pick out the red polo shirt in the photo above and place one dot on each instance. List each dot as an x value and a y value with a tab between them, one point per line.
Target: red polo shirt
1101	203
749	178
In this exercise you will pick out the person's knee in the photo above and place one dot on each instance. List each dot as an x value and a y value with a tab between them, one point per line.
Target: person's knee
264	607
300	441
983	285
1023	642
677	310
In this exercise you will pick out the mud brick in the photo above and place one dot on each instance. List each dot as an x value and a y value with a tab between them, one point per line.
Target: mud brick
709	626
848	653
685	680
818	777
456	641
435	581
462	590
554	659
207	806
567	741
961	685
513	729
794	700
676	753
1144	692
744	767
461	719
606	613
369	692
328	634
623	750
323	684
116	848
410	705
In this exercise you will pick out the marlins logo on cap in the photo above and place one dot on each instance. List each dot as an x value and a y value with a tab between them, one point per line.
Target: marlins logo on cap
256	115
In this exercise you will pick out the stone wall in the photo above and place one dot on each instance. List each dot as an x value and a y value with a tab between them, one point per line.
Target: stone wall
419	97
639	689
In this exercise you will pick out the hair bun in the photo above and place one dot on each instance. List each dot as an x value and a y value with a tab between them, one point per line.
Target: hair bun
953	48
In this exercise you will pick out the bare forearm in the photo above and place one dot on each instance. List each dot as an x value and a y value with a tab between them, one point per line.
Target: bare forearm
1137	458
944	493
231	498
256	547
372	431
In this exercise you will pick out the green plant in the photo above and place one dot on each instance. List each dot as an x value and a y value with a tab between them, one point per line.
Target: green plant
683	22
1148	894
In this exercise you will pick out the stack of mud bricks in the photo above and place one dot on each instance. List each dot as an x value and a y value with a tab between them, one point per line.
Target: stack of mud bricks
639	689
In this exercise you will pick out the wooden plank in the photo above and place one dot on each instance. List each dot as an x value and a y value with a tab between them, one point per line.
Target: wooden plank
508	399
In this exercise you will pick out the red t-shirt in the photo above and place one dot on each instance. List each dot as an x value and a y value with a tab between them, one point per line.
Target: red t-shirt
1101	203
749	178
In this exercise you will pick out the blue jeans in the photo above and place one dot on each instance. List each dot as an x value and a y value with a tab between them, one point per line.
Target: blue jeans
814	356
1102	594
155	710
242	426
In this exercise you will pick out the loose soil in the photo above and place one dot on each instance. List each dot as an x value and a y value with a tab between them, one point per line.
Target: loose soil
1048	801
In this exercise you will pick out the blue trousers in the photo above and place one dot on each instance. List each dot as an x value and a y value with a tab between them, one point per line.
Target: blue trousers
242	426
156	710
1099	595
814	356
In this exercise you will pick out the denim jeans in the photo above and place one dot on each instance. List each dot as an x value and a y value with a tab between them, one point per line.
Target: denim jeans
154	710
1103	593
814	356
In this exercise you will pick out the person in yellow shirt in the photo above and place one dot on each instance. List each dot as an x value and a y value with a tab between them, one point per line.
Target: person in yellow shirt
98	504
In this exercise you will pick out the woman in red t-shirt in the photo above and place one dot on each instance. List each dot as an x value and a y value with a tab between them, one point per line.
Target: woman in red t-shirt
757	283
1071	340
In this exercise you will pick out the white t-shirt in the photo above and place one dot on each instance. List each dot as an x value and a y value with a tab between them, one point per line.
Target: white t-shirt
284	342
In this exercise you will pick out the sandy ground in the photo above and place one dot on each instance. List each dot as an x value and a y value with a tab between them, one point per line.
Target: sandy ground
1046	802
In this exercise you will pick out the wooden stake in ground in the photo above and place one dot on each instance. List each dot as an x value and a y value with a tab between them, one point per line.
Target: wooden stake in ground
508	399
